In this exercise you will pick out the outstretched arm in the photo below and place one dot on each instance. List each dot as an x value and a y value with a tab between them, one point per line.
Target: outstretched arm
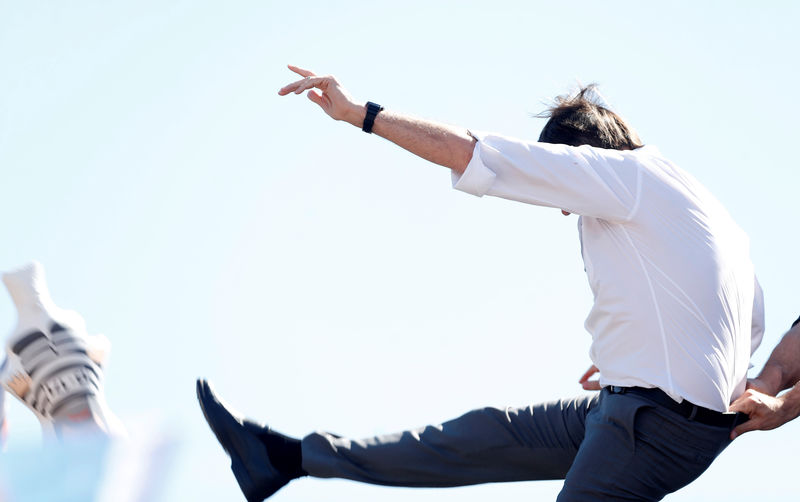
782	371
442	144
588	181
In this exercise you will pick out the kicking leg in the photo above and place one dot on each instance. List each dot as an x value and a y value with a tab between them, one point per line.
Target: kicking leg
483	446
262	460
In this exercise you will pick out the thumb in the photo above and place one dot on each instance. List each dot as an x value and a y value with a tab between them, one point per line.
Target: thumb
317	98
748	426
591	385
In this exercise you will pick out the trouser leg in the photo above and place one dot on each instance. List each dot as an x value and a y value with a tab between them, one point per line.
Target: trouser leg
637	450
482	446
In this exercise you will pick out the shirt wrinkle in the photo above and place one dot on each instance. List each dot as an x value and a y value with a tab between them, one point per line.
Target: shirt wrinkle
657	310
682	334
638	197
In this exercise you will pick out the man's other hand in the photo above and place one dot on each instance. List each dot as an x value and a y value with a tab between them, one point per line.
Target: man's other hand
333	98
590	384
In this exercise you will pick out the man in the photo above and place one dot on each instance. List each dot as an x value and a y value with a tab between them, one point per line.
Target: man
781	372
52	365
676	305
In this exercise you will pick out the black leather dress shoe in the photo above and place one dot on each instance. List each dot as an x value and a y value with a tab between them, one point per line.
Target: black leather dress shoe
257	477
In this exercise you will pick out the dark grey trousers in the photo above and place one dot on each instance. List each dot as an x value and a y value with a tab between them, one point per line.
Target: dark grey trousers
605	447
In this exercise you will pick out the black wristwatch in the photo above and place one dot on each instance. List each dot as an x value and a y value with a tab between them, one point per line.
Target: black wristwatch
369	119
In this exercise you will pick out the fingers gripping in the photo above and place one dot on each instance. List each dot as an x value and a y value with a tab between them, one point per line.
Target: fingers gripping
748	426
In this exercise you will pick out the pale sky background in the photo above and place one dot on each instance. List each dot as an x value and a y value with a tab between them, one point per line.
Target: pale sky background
325	279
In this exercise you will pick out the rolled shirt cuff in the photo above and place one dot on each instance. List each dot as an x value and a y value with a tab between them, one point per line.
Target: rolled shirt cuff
477	178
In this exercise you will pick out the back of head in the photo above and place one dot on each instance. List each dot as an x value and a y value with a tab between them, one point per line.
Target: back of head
579	119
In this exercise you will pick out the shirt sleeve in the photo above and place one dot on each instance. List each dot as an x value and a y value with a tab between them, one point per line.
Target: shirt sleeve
757	325
583	180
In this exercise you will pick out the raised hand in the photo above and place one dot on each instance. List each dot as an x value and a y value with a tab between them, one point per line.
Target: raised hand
442	144
333	98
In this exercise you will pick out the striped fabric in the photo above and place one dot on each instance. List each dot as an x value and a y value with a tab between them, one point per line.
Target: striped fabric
52	364
57	368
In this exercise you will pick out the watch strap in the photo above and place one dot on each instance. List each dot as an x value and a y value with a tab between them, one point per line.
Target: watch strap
372	111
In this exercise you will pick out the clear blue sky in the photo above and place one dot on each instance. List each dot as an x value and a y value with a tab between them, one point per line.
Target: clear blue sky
325	279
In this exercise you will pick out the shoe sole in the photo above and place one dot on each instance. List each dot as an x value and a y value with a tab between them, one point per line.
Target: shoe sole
253	492
204	390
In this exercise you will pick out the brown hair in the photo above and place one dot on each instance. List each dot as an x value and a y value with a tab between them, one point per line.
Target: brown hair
580	119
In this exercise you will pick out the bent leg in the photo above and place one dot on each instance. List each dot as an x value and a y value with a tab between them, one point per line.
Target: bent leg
483	446
637	450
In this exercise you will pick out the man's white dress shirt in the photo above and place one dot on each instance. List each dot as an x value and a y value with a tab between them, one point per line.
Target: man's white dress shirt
676	302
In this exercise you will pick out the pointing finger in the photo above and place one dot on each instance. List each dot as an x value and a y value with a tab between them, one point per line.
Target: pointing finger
300	71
